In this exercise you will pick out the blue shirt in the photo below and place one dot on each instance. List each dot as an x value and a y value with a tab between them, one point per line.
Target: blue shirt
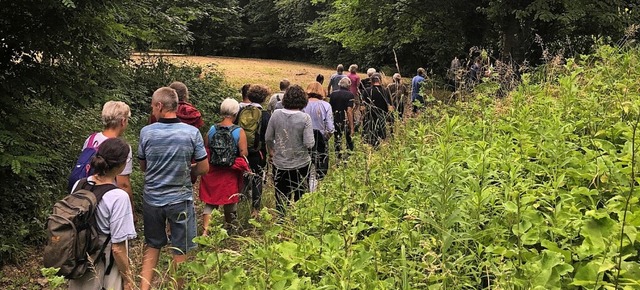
415	88
168	147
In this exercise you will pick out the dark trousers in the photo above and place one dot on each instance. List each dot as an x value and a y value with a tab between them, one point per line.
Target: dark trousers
287	183
342	129
254	183
375	127
320	154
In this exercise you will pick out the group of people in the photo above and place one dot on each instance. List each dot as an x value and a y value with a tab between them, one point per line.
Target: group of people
290	135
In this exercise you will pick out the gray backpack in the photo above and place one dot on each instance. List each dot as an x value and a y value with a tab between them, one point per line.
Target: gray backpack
73	237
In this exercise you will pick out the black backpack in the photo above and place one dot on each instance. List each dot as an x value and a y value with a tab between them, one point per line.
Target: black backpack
73	237
223	147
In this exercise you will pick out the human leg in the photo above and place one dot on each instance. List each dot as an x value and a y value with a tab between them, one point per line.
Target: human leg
299	182
281	185
155	238
206	218
149	263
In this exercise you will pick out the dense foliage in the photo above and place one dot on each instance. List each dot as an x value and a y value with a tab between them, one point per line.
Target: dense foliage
538	191
60	61
417	32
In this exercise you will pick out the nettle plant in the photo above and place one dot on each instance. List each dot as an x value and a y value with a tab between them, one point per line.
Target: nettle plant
537	191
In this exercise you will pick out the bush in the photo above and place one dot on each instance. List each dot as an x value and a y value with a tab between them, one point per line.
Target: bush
538	191
40	140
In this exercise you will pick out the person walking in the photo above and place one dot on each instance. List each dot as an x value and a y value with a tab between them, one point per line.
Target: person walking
115	118
221	186
114	219
335	78
322	120
399	94
416	84
378	106
254	120
341	102
165	151
289	147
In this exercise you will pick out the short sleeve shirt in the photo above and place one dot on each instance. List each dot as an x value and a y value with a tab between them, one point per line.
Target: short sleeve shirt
114	216
335	80
168	147
98	139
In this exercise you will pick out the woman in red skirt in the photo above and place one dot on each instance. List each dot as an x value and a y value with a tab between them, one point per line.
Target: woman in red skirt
221	186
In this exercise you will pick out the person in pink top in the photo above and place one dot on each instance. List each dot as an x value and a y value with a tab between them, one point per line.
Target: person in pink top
355	79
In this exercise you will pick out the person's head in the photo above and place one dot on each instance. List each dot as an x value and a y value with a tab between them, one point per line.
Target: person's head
294	98
111	157
163	101
397	78
284	84
371	71
340	68
181	90
315	90
244	91
320	78
229	108
115	114
376	79
353	68
420	71
257	93
344	83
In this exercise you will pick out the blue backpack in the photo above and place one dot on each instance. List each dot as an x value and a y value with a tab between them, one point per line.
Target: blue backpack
82	168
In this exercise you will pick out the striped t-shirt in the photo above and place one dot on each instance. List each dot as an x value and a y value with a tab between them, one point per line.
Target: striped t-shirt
168	147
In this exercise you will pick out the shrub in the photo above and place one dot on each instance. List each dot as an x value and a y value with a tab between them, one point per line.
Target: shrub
40	140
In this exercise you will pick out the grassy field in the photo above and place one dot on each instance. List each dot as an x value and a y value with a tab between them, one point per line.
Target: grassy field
240	71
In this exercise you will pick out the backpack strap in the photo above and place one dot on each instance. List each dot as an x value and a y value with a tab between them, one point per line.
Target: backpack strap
99	191
91	139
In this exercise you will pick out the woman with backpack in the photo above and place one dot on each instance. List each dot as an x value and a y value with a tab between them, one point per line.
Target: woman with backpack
289	137
226	144
114	220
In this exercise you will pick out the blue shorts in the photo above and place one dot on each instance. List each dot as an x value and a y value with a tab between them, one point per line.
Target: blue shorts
182	222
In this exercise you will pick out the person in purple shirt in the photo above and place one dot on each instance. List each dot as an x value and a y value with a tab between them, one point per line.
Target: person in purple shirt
323	127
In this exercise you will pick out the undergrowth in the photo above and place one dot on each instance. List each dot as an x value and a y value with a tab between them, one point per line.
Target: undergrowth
537	191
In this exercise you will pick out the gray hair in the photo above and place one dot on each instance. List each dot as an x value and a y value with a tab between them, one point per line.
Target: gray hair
181	90
344	83
168	97
229	107
114	112
353	68
371	71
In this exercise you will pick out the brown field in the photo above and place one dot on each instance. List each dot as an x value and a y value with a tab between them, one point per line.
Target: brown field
240	71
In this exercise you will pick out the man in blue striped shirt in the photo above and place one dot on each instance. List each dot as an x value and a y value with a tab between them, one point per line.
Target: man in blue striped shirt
165	152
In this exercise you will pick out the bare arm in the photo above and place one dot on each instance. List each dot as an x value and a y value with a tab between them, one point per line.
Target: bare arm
200	168
242	143
124	182
350	119
121	259
143	165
